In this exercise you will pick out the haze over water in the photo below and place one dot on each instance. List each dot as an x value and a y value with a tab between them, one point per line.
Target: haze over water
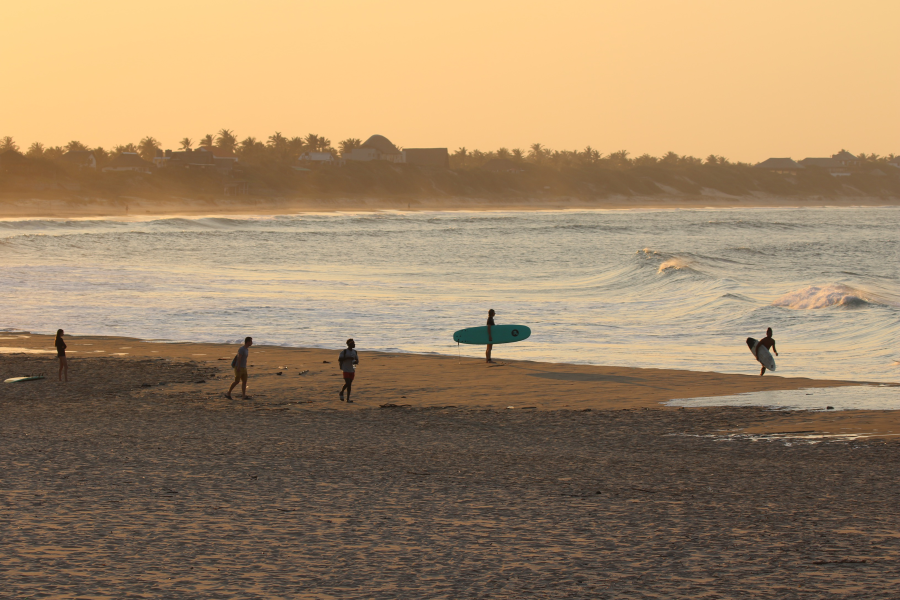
647	288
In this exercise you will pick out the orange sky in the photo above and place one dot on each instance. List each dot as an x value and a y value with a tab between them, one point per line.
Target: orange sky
746	80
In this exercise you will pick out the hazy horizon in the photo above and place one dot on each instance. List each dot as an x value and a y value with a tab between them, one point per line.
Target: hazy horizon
798	79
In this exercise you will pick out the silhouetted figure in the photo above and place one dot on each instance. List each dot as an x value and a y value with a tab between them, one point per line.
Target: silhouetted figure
769	343
490	323
348	360
240	368
61	355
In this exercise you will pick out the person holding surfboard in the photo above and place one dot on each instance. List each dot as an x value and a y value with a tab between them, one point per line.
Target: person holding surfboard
61	354
240	368
490	346
769	343
347	360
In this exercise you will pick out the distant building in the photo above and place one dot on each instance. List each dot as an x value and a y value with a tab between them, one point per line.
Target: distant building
832	165
317	157
427	157
128	161
224	160
376	147
83	159
846	159
189	159
785	166
13	161
895	162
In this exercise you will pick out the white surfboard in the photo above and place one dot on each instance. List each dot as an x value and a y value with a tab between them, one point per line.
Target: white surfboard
761	353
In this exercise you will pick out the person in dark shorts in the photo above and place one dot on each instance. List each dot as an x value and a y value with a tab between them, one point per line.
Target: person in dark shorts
769	343
61	354
490	323
348	360
240	368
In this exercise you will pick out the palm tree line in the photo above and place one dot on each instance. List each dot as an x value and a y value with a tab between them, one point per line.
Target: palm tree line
278	148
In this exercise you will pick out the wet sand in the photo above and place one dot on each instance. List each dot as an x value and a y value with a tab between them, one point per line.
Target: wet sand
139	479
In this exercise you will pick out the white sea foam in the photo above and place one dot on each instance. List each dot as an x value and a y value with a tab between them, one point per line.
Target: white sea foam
814	297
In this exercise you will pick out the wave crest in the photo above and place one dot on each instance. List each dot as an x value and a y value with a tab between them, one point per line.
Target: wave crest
814	297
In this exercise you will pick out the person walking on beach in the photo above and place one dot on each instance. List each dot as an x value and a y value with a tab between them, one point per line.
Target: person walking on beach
240	368
769	343
61	355
348	360
490	323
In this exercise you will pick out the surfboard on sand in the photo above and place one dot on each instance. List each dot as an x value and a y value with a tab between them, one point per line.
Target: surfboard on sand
18	379
500	334
762	355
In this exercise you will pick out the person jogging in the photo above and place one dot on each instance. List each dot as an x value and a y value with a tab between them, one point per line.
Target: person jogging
61	355
348	360
240	368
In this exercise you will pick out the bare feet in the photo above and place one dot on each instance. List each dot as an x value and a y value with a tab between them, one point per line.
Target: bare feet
228	395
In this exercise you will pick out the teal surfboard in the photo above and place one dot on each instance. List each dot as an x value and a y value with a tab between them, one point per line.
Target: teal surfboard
500	334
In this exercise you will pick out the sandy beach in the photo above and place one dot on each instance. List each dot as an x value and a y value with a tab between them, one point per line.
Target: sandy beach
139	479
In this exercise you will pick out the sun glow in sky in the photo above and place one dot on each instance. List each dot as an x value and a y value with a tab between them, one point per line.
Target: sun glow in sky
746	80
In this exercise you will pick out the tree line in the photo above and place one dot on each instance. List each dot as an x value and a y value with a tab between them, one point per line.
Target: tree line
280	149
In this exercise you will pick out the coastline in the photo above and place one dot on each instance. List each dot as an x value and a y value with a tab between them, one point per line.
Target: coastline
66	206
307	378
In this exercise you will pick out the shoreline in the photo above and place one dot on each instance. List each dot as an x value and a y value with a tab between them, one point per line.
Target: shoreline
69	207
307	379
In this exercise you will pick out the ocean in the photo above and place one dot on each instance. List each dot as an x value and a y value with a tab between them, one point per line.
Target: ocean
678	289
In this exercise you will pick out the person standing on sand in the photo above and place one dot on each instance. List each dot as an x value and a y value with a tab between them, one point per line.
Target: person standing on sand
769	343
61	355
240	368
347	360
490	323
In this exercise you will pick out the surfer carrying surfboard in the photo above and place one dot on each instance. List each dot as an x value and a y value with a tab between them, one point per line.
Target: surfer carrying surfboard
490	346
769	344
760	350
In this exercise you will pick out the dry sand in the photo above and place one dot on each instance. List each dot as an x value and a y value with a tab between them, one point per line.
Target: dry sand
67	206
139	479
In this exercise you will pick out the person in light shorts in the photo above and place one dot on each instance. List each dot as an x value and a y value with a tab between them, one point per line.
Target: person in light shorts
348	360
240	368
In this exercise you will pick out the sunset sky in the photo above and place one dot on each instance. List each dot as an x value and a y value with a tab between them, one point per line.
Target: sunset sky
746	80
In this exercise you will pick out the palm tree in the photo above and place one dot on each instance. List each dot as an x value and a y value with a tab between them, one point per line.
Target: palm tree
207	141
35	149
518	154
312	141
537	152
75	146
348	145
277	141
54	152
148	147
7	143
324	144
503	153
186	143
226	140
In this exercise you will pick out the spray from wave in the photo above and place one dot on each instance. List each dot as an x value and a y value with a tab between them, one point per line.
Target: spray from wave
814	297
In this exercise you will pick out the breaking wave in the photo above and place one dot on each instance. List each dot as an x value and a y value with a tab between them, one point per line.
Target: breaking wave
814	297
